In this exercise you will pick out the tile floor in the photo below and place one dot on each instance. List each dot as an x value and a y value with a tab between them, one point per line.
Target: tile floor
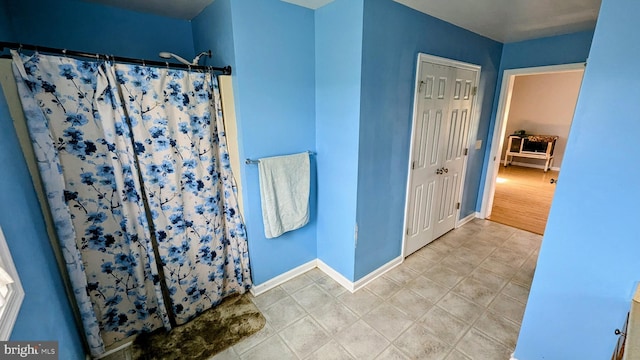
461	297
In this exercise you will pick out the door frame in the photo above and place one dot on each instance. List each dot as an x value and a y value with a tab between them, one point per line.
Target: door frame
473	129
500	125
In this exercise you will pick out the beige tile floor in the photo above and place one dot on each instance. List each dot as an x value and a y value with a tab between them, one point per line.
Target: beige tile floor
461	297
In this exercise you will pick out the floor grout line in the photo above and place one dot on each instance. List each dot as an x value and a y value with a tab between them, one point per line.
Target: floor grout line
477	231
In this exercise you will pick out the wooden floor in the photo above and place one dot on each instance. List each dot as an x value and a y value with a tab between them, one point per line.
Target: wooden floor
523	198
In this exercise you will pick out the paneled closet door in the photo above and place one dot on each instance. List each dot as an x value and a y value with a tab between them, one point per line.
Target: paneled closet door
441	129
429	136
453	150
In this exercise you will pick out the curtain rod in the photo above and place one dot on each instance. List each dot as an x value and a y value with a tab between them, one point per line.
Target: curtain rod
17	46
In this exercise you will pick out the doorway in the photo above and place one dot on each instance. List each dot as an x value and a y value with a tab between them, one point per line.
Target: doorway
443	120
534	101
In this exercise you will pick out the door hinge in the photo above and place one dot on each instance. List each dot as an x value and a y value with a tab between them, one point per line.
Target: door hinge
466	151
458	206
413	165
474	91
407	232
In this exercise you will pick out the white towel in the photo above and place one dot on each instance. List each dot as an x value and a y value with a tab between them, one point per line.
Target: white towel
284	193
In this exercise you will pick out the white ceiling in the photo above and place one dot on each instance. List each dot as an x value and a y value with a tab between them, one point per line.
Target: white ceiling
501	20
311	4
513	20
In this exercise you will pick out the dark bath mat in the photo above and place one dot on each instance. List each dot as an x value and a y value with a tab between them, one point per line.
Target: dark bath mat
211	332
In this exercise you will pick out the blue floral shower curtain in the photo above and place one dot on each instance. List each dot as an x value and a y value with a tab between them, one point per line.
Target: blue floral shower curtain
179	140
117	146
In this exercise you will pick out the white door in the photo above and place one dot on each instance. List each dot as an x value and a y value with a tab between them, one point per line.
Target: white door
455	148
444	99
432	107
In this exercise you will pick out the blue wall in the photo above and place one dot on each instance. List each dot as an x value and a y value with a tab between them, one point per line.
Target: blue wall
212	30
5	29
274	88
45	313
554	50
338	81
393	36
588	264
90	27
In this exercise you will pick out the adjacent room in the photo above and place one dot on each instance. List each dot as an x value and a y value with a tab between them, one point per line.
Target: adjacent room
319	179
541	108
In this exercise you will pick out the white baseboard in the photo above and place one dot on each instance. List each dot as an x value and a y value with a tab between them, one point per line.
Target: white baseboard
467	219
531	165
377	273
355	286
336	276
282	278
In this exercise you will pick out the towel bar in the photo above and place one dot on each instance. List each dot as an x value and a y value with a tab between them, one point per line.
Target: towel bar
251	161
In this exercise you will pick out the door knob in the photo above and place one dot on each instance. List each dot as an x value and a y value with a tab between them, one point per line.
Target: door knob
445	170
553	181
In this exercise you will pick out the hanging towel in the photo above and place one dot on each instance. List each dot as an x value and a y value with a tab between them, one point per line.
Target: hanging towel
284	193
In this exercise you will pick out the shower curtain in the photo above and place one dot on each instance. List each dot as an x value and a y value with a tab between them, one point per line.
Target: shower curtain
135	167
